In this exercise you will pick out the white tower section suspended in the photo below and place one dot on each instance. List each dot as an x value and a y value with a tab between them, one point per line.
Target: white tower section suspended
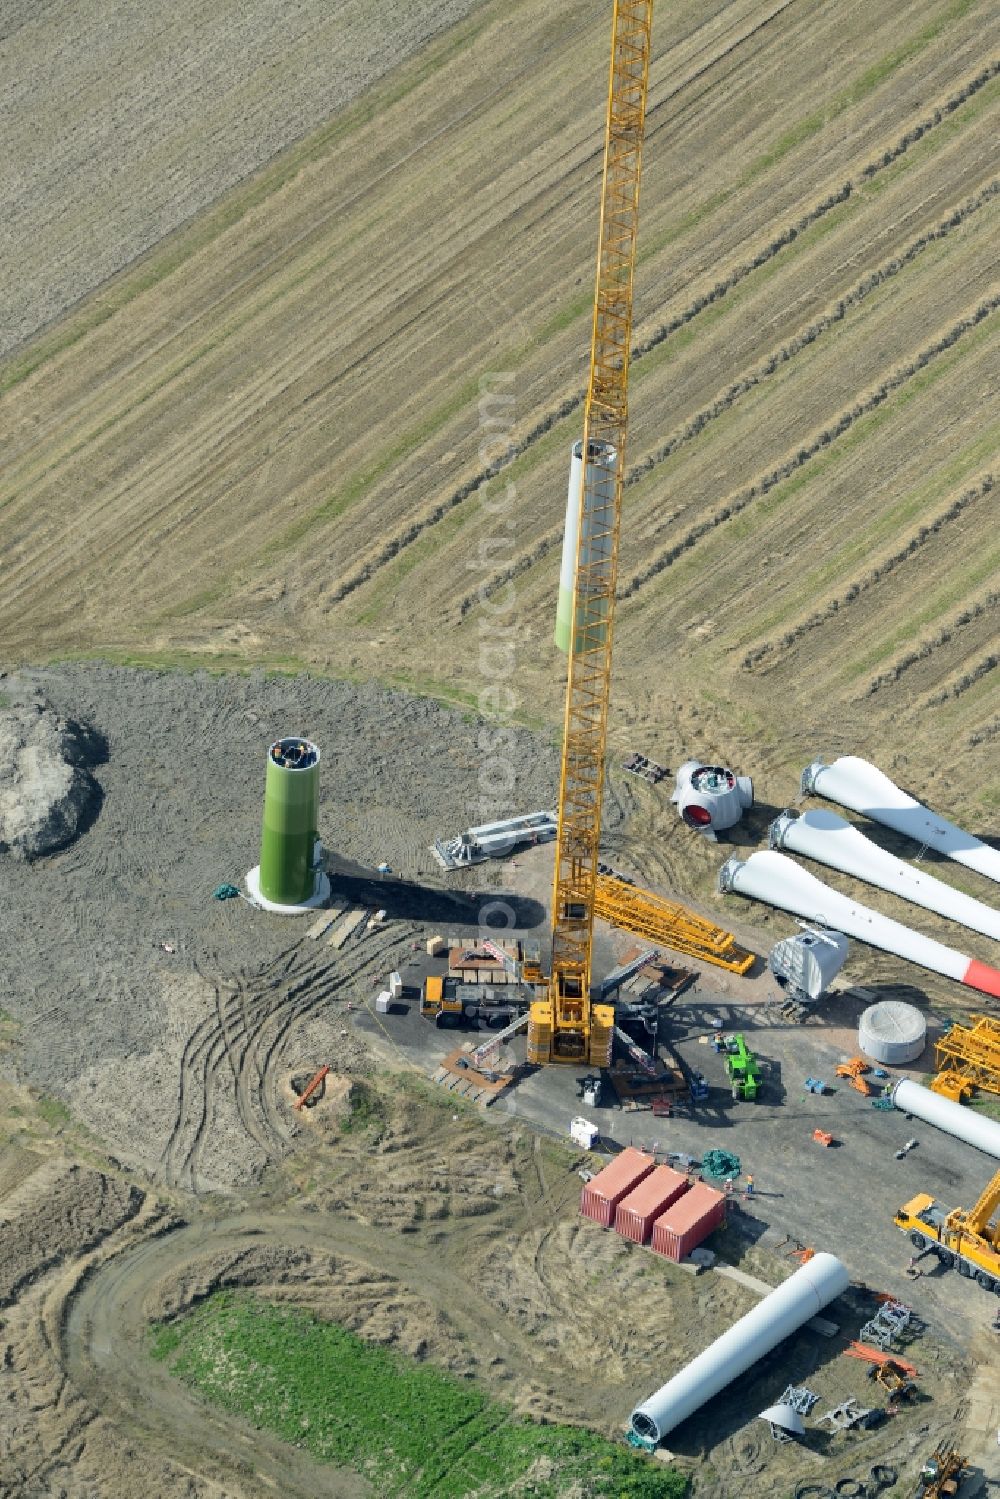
595	543
805	1293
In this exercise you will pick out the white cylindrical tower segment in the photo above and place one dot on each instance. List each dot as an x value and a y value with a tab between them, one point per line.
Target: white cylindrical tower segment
597	501
892	1032
805	1293
975	1129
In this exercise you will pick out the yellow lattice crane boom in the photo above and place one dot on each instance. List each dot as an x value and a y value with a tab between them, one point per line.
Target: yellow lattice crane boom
565	1026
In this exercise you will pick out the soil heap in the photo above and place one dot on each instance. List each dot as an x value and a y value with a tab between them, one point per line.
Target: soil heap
47	793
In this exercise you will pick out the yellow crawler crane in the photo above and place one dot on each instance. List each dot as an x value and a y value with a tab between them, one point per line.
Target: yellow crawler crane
565	1026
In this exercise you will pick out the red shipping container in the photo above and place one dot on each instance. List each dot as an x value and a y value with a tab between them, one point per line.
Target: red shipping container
602	1195
640	1209
688	1221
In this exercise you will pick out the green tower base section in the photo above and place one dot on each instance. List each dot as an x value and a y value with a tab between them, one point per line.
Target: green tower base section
291	813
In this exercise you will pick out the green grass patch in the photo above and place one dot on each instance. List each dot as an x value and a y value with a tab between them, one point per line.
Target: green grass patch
750	518
53	1111
986	1103
361	483
389	578
215	663
367	1111
224	663
409	1428
937	605
935	139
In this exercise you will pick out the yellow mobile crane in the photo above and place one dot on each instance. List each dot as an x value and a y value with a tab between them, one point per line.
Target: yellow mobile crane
565	1026
969	1240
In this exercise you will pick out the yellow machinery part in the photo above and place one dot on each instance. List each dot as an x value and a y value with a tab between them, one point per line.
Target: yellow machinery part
953	1084
979	1220
973	1051
563	1026
668	924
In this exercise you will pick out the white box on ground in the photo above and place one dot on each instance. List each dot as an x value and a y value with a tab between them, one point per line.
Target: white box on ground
396	985
583	1132
383	1002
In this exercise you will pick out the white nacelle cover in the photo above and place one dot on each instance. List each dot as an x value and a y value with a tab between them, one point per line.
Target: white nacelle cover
810	960
711	797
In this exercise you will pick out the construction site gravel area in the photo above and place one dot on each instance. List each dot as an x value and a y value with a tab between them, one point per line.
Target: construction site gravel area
152	1154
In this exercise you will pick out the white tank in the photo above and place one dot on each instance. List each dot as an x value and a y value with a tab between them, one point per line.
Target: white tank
781	1313
975	1129
892	1032
810	961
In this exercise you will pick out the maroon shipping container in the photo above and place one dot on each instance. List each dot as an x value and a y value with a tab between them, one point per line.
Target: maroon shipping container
688	1221
640	1209
603	1194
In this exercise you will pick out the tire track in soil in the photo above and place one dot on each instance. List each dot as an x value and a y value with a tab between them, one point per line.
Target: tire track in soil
740	273
250	1019
200	1060
101	1321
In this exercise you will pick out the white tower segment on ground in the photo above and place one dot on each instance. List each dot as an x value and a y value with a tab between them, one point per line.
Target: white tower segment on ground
805	1293
779	881
862	787
829	839
965	1124
892	1032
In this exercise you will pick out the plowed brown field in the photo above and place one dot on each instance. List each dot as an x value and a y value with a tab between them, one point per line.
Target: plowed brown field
263	443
